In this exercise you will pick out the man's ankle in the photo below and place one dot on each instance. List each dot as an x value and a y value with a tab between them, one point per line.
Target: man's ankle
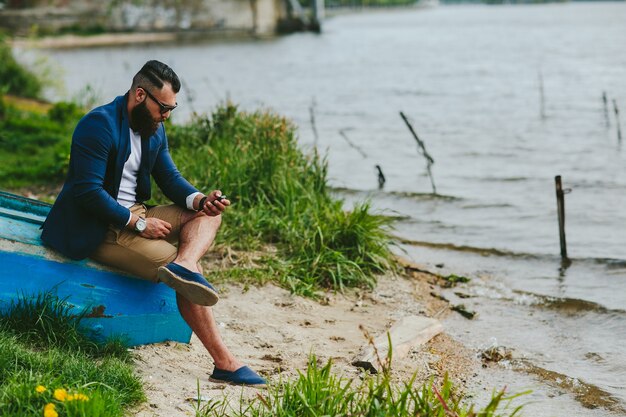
228	365
192	266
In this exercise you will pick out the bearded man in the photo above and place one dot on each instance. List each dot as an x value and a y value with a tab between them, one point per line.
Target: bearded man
100	212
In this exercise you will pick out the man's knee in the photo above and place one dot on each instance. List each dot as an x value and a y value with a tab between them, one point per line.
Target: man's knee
215	221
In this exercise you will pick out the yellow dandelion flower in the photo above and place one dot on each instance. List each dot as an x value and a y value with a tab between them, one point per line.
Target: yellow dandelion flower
60	394
49	411
40	388
81	397
77	397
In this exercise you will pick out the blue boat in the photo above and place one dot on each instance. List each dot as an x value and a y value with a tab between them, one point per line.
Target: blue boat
117	305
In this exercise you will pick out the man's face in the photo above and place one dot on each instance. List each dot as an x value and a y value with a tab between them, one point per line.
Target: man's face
154	108
142	120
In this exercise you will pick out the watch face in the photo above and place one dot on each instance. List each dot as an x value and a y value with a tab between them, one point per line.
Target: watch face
140	225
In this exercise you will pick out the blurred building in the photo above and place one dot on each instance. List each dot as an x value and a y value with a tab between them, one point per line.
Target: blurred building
258	17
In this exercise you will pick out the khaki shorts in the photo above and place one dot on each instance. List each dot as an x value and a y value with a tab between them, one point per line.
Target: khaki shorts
126	250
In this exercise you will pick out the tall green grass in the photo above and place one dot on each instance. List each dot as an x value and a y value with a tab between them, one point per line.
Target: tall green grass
280	196
44	320
319	392
41	345
34	148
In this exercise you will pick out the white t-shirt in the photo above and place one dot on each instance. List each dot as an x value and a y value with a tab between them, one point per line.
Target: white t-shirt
128	186
127	195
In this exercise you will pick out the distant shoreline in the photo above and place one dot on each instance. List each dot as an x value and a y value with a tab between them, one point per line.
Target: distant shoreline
116	39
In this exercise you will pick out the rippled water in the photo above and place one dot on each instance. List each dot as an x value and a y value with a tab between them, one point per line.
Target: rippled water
468	77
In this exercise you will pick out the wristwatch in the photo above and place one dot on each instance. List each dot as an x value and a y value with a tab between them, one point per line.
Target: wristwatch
140	225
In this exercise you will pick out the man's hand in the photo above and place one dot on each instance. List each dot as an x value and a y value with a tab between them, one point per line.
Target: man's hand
156	228
213	206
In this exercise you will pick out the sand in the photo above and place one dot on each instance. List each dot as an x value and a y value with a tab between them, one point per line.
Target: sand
274	332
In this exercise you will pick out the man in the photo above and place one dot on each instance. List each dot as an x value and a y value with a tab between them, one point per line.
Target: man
100	212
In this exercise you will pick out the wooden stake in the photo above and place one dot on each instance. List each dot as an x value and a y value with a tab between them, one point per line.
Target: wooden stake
560	204
381	177
424	152
342	132
605	102
619	127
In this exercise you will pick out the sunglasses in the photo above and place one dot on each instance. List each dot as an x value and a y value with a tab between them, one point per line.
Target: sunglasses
163	108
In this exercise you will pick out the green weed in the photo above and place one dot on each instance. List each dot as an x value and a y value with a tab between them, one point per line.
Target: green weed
319	392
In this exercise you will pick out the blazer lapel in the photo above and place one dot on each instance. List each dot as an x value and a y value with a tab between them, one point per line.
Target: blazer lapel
143	179
123	151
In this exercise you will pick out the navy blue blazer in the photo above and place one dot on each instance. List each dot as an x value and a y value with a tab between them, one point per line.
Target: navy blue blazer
87	204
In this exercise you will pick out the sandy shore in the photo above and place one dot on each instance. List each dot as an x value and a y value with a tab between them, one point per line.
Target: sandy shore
274	332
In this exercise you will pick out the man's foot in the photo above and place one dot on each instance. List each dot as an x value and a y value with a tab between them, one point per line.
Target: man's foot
191	285
242	376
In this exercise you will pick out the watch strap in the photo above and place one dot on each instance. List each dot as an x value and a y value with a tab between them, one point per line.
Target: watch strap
201	203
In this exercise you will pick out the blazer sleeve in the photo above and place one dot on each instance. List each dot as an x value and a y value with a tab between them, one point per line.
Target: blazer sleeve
92	145
168	177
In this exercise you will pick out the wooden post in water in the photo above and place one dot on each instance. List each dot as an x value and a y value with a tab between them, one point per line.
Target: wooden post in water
560	204
619	127
605	102
381	177
343	134
429	159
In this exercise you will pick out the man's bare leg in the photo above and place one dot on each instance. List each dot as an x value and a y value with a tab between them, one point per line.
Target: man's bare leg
196	236
202	322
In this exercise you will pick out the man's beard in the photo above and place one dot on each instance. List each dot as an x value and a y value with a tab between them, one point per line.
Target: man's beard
142	121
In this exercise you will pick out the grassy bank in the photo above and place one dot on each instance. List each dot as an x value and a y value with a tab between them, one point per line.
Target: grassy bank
34	141
280	198
48	367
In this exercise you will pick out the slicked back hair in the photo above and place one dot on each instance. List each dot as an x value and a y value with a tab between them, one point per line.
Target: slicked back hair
156	73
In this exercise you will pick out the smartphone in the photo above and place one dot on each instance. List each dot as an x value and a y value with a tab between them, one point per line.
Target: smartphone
220	199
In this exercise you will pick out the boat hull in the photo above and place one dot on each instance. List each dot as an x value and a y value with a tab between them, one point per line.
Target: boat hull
117	305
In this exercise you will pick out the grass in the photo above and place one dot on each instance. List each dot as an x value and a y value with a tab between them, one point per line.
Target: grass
319	392
280	197
45	320
35	146
41	345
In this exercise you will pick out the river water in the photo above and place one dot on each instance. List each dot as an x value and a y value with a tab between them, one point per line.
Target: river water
505	98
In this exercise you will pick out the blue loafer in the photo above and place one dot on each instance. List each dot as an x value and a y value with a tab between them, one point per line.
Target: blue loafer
242	376
191	285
